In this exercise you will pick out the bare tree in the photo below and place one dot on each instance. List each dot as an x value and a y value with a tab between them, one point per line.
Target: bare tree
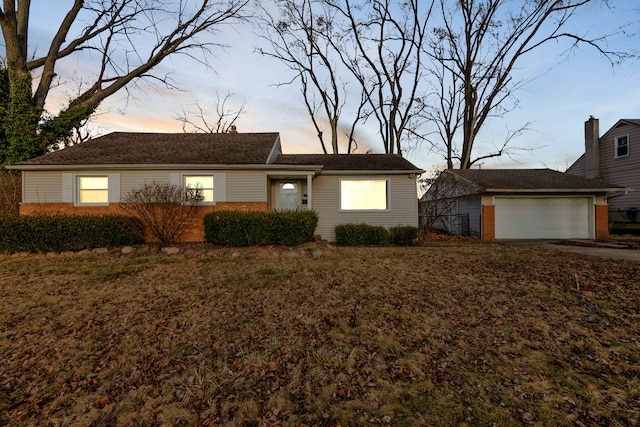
385	56
10	191
129	38
476	51
439	206
197	119
163	209
302	35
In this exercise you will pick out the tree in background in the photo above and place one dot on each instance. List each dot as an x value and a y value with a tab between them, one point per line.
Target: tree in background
384	51
198	120
366	55
302	34
129	38
475	52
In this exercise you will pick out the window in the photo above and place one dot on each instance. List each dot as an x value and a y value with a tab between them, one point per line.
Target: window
621	146
364	194
204	183
93	190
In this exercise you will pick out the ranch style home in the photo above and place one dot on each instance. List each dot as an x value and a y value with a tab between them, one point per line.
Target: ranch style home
236	171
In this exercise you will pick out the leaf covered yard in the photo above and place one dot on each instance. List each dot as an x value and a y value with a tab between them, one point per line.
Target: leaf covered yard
454	333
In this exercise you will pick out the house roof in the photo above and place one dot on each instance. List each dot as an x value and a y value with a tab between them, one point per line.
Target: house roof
632	121
531	180
350	162
133	148
205	149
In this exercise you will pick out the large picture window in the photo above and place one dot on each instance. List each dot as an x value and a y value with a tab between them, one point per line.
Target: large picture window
93	190
204	183
364	194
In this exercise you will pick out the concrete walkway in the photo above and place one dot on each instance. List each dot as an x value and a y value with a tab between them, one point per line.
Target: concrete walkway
611	250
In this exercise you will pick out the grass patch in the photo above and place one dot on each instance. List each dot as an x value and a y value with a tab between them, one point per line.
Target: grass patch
454	333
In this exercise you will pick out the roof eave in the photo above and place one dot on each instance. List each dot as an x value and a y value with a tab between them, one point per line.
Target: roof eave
271	166
555	190
415	172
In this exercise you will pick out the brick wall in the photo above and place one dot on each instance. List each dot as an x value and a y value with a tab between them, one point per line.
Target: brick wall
602	222
193	232
488	222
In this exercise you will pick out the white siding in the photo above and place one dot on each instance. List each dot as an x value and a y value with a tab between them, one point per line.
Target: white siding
326	202
42	187
246	186
47	186
470	206
623	171
131	179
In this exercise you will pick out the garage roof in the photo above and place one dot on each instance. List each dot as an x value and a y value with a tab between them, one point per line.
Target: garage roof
532	180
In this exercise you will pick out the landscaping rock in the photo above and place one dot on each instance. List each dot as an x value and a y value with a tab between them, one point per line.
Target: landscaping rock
170	250
128	249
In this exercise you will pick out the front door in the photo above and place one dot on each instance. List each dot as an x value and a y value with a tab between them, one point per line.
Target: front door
288	198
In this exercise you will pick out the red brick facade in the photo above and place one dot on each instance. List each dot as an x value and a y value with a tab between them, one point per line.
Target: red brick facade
193	232
488	222
602	222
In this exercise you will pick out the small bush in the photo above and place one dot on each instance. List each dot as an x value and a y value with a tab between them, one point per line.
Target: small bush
162	208
375	235
229	228
361	235
58	233
404	235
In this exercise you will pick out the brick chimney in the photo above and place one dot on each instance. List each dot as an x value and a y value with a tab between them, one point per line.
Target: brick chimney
592	148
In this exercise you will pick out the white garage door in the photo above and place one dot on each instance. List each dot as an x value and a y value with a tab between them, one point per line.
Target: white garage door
542	218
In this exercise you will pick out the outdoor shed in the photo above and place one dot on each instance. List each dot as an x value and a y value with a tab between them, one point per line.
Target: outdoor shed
518	204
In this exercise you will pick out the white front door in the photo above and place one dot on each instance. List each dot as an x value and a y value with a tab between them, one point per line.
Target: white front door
288	197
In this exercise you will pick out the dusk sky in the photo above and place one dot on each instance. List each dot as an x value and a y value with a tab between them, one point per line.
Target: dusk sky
564	92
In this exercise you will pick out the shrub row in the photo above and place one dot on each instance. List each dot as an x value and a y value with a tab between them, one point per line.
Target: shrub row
625	228
228	228
372	235
57	233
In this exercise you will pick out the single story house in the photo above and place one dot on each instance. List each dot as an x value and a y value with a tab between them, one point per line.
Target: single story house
518	204
236	171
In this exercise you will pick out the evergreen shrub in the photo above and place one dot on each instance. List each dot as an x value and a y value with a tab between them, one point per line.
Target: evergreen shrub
58	233
231	228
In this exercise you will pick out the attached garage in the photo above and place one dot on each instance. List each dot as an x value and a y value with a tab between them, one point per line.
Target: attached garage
543	218
520	203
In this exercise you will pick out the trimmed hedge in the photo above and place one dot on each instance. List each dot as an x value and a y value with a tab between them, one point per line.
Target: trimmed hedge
375	235
230	228
58	233
404	235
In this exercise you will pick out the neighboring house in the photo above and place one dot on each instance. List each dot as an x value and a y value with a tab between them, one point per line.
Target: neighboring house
237	171
613	157
518	204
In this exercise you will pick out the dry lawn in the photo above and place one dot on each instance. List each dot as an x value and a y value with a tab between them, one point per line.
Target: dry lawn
453	333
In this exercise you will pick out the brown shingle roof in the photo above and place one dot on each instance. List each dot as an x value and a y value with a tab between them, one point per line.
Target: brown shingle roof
350	162
124	148
529	179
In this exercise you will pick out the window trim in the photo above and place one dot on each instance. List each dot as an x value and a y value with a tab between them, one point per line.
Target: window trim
78	189
388	194
615	146
213	189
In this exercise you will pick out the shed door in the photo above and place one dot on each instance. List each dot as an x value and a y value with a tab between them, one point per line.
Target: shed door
542	218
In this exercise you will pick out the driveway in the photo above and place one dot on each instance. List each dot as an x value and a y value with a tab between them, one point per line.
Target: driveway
609	249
